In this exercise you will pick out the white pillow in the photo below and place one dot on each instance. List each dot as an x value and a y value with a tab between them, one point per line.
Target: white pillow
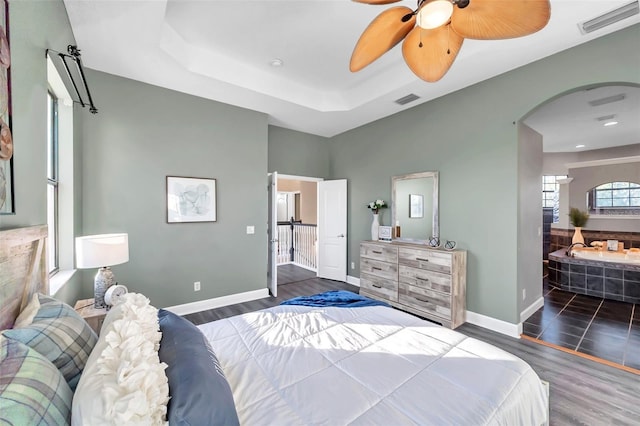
124	381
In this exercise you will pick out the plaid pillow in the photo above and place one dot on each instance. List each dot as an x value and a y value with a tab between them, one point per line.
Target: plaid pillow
32	390
60	334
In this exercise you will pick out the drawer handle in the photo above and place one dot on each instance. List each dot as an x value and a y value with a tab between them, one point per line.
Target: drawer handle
376	269
423	279
376	252
421	259
376	286
422	300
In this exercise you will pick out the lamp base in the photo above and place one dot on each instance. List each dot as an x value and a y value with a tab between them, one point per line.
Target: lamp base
103	280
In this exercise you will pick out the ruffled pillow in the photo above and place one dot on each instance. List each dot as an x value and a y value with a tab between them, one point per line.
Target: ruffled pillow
125	370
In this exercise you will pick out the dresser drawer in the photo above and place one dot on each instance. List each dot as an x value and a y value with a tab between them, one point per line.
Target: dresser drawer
425	300
425	259
381	287
425	279
379	269
383	252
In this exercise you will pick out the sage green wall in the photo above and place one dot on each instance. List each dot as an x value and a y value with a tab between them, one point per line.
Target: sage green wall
144	133
529	217
299	154
471	137
35	27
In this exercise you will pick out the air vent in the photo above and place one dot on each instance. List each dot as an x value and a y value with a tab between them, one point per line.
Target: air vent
607	100
606	117
609	18
406	99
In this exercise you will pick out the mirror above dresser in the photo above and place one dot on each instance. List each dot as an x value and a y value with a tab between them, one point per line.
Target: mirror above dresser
414	206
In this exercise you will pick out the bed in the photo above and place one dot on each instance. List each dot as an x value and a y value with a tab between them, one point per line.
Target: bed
283	365
368	365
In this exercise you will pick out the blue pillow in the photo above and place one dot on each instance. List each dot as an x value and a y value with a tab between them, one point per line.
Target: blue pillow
200	393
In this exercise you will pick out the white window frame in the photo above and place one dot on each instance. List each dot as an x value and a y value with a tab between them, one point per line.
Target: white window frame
52	183
66	182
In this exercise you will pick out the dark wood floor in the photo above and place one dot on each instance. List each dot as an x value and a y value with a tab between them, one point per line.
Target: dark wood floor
582	392
291	273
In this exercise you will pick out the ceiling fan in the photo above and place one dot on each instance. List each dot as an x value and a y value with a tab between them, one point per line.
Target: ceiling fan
433	33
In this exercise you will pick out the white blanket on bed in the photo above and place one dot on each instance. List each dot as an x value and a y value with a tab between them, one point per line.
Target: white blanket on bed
371	365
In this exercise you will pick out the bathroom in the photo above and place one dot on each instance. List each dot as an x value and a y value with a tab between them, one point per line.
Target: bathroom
608	265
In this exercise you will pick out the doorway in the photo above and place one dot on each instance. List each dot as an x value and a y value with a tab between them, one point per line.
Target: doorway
304	214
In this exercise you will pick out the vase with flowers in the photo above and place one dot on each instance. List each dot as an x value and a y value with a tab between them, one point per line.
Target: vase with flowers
578	219
375	206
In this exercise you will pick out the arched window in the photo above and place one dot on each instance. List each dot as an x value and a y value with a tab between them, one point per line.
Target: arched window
615	198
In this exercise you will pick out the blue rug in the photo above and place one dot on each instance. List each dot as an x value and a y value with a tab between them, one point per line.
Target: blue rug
337	298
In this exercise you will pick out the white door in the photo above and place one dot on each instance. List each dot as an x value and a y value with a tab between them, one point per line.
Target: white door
332	229
272	232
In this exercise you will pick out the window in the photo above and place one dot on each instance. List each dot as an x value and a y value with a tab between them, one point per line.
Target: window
550	195
52	181
615	198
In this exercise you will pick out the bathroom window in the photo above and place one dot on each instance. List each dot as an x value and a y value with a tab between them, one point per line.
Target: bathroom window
615	198
550	195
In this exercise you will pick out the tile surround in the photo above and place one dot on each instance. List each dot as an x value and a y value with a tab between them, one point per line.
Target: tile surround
616	281
561	238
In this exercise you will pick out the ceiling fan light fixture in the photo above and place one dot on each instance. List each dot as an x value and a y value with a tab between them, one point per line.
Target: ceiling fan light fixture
434	14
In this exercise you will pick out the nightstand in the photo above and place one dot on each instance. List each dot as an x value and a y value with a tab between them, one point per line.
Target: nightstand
92	315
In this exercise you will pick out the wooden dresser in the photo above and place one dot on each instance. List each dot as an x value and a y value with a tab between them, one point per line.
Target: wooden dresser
427	282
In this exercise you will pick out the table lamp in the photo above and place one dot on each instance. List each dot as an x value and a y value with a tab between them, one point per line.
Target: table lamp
102	251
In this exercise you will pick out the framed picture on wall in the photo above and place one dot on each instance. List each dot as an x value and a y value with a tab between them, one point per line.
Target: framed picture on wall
6	141
191	199
416	206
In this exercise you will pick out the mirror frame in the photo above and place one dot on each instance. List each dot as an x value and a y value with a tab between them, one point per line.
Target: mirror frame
435	212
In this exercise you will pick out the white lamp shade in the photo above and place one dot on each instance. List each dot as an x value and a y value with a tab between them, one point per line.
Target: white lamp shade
96	251
434	14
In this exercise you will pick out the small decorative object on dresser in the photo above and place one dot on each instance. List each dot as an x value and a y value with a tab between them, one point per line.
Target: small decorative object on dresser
375	224
385	233
92	315
427	282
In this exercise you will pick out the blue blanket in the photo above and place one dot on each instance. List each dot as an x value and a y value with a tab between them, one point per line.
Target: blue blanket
337	298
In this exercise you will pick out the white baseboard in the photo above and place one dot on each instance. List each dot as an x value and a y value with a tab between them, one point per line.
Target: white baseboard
217	302
353	280
524	315
499	326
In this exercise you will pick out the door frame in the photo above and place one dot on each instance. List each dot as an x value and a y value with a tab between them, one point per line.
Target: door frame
290	177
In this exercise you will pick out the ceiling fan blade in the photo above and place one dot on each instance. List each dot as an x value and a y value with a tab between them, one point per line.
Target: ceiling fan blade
440	47
376	1
500	19
384	32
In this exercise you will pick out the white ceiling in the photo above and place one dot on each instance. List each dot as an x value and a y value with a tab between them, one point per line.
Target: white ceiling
222	50
571	124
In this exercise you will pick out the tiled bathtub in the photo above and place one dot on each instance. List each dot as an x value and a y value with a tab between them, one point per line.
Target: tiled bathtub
611	280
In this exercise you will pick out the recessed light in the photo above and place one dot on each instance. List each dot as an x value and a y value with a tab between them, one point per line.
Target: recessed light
580	146
610	123
276	63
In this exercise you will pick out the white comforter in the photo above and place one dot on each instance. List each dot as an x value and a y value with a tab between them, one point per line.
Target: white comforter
374	365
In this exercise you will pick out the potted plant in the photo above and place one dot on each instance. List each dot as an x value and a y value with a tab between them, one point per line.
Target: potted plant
578	219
